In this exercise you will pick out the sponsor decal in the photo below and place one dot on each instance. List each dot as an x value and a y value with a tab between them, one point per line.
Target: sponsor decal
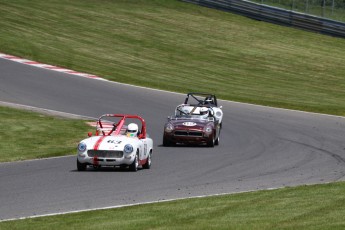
189	123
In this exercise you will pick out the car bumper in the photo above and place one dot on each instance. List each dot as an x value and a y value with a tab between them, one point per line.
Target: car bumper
102	161
188	139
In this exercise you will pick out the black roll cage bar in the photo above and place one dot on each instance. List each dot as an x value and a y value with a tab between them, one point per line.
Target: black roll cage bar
201	102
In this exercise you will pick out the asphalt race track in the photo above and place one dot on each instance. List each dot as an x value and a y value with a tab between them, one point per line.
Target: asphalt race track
260	148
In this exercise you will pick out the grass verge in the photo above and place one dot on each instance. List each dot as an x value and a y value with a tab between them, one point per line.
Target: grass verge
28	135
304	207
180	47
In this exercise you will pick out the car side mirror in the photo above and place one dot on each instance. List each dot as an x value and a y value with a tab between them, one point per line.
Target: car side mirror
89	134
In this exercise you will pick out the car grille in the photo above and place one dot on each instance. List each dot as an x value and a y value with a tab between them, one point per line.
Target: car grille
188	133
105	153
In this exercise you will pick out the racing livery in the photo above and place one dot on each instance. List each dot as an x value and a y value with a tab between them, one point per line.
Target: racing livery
195	123
116	143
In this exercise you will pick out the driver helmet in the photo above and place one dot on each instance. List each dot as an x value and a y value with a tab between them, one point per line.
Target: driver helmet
132	130
209	100
204	112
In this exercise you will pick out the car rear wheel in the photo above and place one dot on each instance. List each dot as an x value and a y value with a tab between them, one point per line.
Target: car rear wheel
147	165
134	166
81	166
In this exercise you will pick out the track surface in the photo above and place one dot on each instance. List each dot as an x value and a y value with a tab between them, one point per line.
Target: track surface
260	148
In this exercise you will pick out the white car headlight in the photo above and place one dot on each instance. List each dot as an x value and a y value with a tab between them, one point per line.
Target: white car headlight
208	129
169	128
128	148
81	147
218	114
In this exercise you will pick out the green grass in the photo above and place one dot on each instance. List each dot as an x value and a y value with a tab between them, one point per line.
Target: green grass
304	207
28	135
180	47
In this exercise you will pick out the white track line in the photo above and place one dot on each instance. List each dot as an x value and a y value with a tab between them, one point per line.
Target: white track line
46	111
152	202
129	205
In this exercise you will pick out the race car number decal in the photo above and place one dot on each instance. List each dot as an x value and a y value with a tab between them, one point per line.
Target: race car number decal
189	123
114	142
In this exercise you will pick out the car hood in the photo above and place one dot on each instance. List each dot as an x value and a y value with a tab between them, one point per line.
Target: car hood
110	142
190	123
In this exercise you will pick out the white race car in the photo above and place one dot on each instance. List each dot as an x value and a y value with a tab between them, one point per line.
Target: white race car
208	100
120	140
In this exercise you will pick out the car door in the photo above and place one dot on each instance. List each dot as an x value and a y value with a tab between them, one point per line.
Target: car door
143	150
146	150
218	128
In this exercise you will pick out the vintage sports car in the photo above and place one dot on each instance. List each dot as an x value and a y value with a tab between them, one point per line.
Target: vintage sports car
120	140
198	123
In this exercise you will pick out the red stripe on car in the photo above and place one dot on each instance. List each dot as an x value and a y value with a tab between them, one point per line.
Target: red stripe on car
142	162
95	160
98	142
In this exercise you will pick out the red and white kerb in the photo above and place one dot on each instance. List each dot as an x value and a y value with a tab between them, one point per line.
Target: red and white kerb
50	67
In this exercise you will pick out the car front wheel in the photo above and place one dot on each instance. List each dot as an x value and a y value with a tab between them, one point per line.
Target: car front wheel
217	141
134	166
81	166
166	142
211	142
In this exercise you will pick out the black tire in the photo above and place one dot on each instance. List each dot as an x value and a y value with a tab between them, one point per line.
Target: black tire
211	142
81	166
147	165
217	141
134	166
166	142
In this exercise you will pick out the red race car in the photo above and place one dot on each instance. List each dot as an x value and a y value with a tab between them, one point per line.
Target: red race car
199	123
